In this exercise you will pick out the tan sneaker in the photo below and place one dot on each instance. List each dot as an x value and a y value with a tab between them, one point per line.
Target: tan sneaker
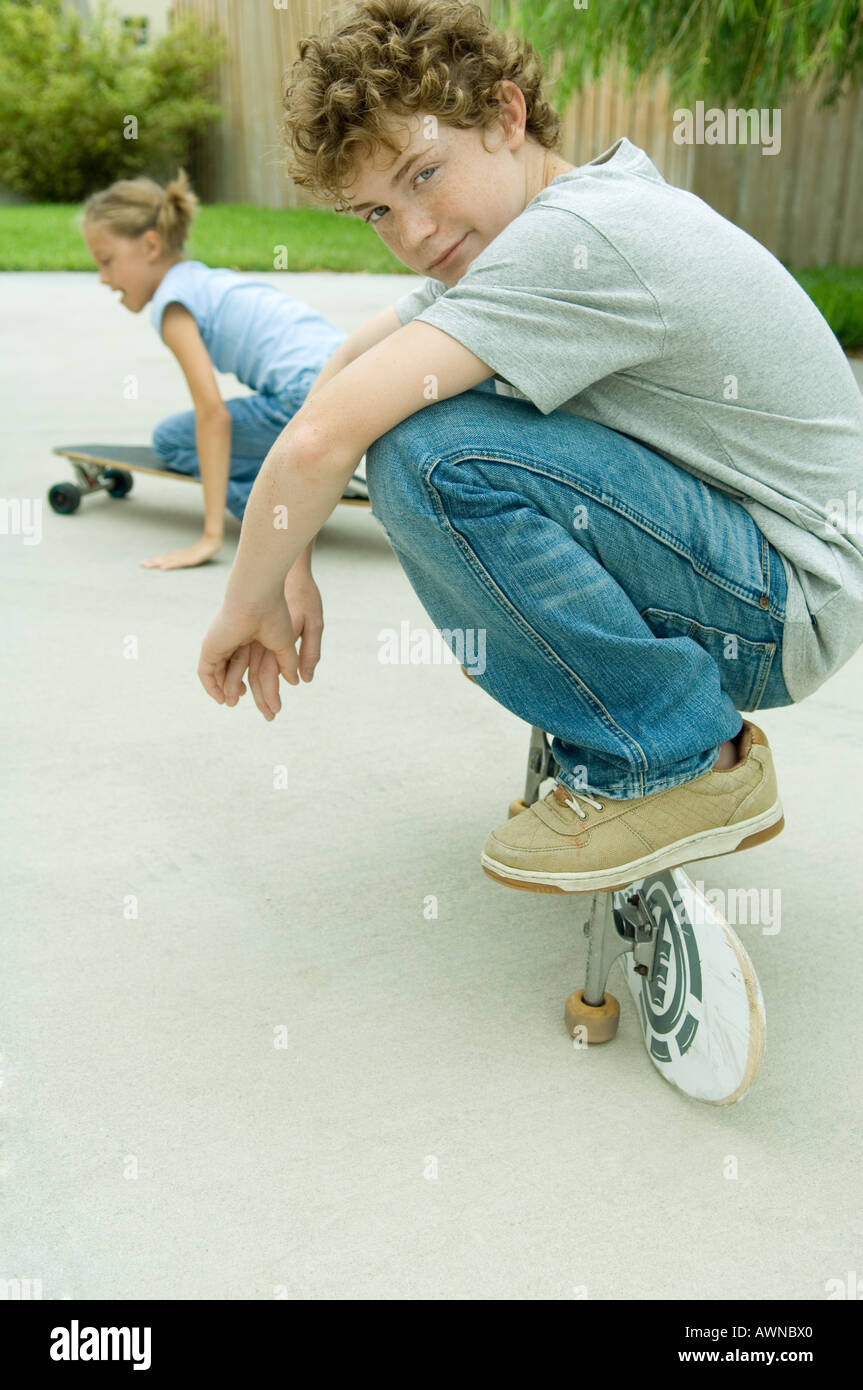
578	842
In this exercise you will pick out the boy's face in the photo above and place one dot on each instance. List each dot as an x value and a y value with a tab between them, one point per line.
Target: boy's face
454	194
125	264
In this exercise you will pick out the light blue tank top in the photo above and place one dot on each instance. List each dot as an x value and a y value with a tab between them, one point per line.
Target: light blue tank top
272	343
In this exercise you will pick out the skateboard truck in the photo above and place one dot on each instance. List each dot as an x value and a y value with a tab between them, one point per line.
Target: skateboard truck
541	764
66	497
619	921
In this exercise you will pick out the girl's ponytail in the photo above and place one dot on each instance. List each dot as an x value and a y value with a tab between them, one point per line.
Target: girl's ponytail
178	210
131	207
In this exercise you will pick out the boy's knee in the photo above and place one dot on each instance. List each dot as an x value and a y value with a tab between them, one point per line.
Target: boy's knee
397	462
392	468
394	442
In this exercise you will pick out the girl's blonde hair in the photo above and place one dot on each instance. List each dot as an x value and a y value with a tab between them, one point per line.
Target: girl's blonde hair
130	207
398	57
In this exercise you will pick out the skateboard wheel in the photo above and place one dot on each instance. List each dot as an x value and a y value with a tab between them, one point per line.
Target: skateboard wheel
516	807
600	1021
64	498
119	481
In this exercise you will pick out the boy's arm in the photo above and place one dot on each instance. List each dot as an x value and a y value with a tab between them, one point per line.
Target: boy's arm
305	472
358	342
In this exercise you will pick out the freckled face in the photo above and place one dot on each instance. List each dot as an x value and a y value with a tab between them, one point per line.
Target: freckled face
453	197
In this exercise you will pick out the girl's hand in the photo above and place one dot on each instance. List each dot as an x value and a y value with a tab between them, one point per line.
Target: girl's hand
303	598
261	640
196	554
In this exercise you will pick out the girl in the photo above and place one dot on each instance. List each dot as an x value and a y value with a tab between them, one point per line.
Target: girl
135	231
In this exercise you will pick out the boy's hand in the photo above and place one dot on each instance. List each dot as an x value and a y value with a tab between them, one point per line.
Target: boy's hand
263	642
196	554
303	598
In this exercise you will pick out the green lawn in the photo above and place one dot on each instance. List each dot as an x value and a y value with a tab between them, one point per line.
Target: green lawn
838	292
43	236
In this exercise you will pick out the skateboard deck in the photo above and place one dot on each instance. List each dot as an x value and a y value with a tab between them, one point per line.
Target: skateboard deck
700	1006
696	993
109	468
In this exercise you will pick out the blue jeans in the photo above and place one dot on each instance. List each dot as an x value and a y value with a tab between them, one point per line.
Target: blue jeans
627	608
256	423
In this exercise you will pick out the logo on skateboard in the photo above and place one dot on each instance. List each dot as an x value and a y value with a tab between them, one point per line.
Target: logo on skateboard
670	1000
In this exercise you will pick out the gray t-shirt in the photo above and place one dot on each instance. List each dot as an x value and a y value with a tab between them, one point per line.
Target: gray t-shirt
621	298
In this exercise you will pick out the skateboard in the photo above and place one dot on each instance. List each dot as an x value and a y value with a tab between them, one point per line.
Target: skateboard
109	468
696	993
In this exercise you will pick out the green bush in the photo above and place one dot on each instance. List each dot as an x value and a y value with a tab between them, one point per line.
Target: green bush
68	93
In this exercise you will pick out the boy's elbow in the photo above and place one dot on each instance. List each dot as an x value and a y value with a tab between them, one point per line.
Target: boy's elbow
311	440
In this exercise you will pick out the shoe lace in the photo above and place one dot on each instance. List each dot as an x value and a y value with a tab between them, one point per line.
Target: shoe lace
572	801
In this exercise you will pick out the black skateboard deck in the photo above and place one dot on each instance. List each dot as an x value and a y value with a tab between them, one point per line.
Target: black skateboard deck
109	467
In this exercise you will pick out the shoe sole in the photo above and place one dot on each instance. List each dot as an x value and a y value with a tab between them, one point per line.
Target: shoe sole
705	844
719	1004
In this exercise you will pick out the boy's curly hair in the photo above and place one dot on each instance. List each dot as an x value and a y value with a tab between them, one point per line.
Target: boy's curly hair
397	57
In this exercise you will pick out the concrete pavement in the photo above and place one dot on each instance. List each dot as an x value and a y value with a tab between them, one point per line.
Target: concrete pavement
266	1025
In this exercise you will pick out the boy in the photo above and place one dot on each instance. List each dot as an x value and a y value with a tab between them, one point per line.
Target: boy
638	517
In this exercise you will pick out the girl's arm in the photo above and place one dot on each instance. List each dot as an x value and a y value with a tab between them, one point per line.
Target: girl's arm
212	417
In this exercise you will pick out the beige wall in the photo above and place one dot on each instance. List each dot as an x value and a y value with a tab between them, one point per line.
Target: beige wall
803	203
157	12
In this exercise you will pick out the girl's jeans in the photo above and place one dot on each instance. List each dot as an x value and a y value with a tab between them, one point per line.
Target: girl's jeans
618	602
256	423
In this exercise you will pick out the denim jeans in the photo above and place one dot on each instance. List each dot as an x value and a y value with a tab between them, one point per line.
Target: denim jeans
256	423
628	609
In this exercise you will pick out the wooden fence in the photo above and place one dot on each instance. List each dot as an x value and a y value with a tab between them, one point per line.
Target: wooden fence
805	203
